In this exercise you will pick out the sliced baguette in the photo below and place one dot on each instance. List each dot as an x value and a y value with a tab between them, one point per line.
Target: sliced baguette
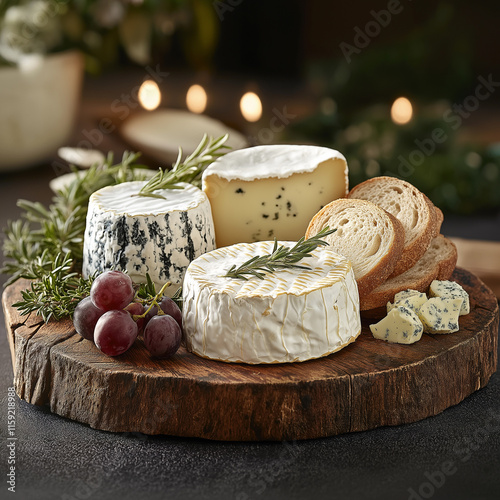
438	262
415	211
371	238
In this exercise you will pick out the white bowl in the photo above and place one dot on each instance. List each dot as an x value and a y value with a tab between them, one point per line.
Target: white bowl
37	108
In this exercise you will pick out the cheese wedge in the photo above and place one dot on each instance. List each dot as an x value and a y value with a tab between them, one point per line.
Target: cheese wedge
268	192
401	326
147	235
450	290
411	299
440	315
290	315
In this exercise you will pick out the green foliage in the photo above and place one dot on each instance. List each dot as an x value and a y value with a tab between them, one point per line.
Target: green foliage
354	116
44	233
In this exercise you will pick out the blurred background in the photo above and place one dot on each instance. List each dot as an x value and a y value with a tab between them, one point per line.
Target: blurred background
400	87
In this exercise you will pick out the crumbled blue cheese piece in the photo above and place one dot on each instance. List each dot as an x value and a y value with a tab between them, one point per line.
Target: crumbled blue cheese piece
401	325
440	315
450	290
411	299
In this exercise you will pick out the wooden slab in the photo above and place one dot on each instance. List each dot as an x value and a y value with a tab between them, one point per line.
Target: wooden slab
368	384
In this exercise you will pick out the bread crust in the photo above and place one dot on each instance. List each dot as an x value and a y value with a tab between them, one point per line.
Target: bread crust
438	269
447	266
378	274
412	252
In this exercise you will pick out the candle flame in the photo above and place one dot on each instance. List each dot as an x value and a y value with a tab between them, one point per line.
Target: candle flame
251	107
149	95
196	99
401	111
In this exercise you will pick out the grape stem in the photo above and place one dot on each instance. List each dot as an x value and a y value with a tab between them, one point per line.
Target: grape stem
154	302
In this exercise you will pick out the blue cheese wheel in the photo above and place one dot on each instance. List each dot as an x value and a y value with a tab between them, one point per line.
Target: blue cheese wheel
142	235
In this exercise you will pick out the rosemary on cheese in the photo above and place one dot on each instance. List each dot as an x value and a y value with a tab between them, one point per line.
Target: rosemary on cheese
280	258
190	170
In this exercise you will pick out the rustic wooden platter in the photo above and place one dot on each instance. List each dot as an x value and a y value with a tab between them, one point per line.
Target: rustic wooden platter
368	384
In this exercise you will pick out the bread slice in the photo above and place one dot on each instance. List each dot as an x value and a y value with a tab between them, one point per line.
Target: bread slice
371	238
415	211
438	262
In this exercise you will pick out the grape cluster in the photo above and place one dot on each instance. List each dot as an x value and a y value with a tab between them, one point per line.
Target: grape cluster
112	319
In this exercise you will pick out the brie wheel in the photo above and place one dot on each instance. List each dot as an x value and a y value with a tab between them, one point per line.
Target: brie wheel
290	315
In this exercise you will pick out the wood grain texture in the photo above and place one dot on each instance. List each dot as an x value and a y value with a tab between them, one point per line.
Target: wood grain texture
368	384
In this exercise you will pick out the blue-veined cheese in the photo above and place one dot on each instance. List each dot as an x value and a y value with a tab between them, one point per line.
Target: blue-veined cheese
142	235
440	315
411	299
273	191
451	290
401	326
290	315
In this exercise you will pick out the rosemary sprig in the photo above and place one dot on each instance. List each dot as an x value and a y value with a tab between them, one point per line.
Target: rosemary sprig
190	170
55	290
280	258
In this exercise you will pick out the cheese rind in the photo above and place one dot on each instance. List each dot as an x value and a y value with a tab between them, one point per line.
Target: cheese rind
450	290
290	315
142	235
267	192
440	315
411	299
401	326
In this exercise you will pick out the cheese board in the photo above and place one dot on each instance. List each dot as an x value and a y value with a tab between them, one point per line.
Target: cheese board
368	384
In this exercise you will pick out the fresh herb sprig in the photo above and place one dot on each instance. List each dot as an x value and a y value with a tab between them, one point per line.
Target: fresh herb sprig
55	290
280	258
190	170
146	293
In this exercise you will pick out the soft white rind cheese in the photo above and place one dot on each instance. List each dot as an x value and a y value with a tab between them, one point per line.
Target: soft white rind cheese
268	192
142	235
290	315
401	326
450	290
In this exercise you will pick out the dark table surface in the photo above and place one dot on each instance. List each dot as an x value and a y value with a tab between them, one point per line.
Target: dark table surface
454	455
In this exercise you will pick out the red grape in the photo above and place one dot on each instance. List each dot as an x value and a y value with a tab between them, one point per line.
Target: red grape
136	309
168	306
85	318
112	290
115	332
162	336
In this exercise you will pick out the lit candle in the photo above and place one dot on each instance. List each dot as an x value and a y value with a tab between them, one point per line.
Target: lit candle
401	111
196	99
251	107
149	95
